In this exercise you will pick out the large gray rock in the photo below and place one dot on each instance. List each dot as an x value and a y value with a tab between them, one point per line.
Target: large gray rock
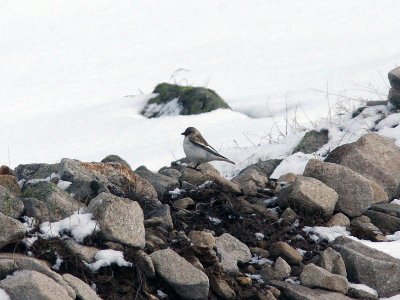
188	281
33	285
266	167
11	230
190	100
11	184
317	277
59	204
384	221
250	181
371	267
9	204
120	219
309	196
37	209
161	183
394	78
332	261
170	172
339	219
160	217
82	290
312	141
90	179
36	171
373	156
231	251
23	262
354	190
298	292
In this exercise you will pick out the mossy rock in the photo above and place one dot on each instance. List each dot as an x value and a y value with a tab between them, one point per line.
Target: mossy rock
190	100
312	141
9	205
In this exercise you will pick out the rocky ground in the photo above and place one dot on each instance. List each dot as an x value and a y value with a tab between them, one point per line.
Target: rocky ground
91	230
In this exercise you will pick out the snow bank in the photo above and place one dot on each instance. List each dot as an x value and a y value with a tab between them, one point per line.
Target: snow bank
106	258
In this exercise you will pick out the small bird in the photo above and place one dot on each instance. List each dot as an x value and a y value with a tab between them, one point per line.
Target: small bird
197	149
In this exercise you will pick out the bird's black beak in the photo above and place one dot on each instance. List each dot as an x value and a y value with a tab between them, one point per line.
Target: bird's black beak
183	133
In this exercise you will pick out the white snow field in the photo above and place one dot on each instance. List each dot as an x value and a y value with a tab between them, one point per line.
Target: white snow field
66	68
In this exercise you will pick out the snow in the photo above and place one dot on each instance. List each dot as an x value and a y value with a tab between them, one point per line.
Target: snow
396	201
171	108
326	233
259	236
78	225
58	263
107	257
363	287
4	295
61	183
69	71
292	164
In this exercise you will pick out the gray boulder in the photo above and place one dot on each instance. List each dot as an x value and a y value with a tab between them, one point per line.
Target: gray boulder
282	267
187	281
11	230
120	219
10	183
161	183
387	208
297	292
83	290
371	267
59	204
312	141
36	171
170	172
250	181
317	277
339	219
231	251
332	261
190	100
85	252
9	204
373	156
309	196
354	190
38	210
33	285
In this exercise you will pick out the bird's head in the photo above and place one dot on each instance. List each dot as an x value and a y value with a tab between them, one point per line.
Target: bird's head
190	131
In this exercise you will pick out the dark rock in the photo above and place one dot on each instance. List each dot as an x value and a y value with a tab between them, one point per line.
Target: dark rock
312	141
222	288
170	172
251	181
184	203
10	183
266	167
36	171
115	159
387	208
332	261
5	170
161	183
394	97
385	222
371	267
268	274
394	78
38	210
192	100
161	216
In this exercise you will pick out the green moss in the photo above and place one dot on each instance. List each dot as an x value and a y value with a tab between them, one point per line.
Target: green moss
193	100
39	191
